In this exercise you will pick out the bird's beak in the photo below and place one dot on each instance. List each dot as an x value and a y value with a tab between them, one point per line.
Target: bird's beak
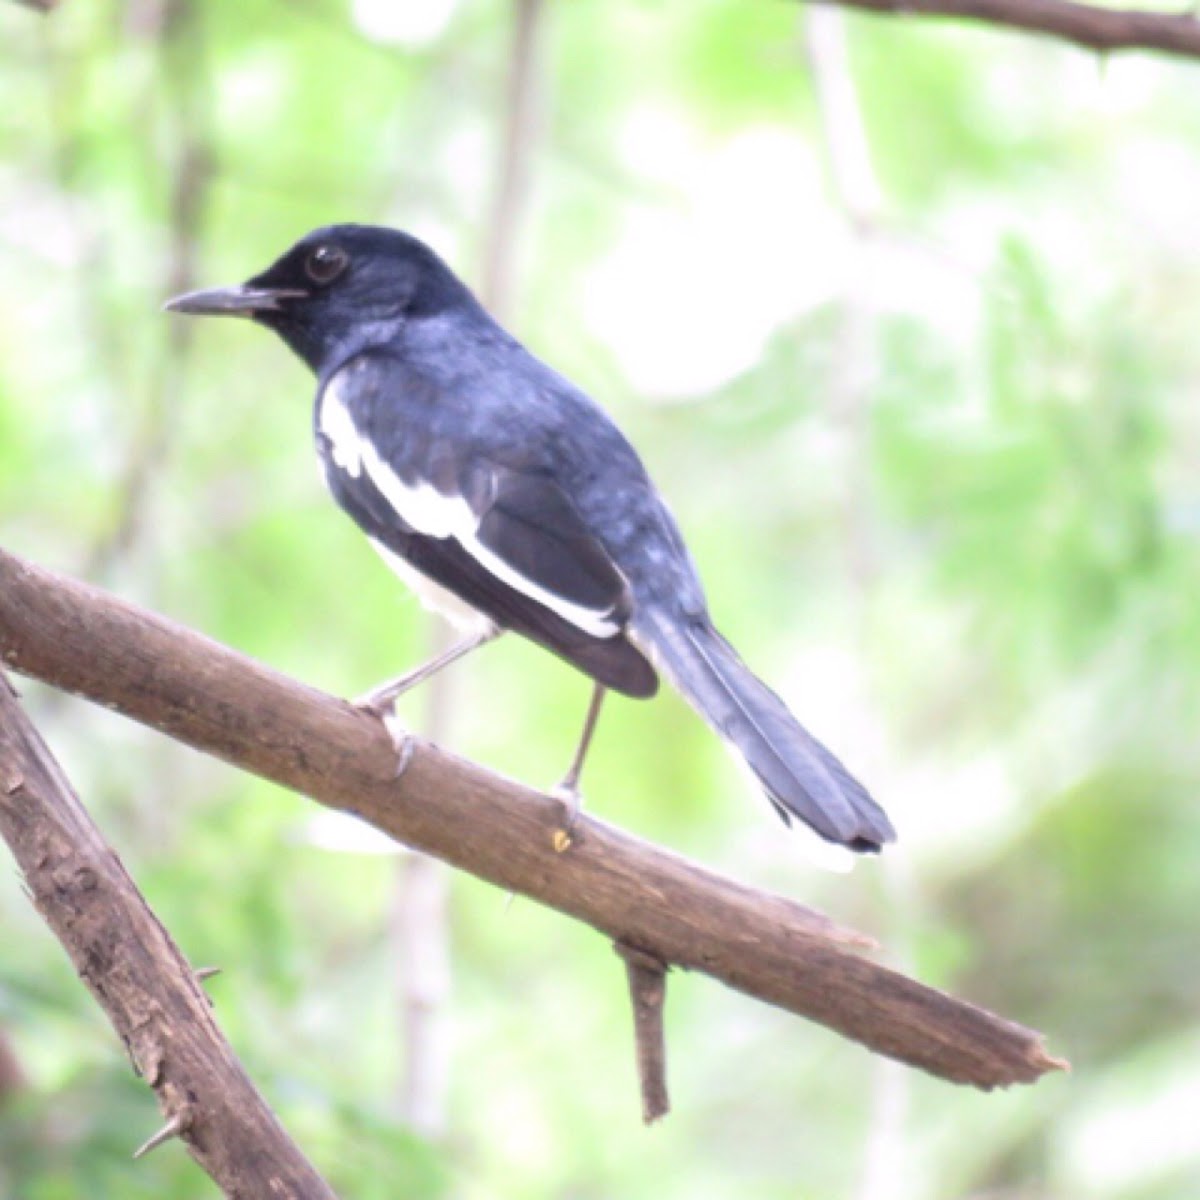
243	300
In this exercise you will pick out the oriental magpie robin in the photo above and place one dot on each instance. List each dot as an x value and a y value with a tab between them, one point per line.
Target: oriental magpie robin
510	500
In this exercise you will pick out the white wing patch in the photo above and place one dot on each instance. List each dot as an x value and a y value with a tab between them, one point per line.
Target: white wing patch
425	509
336	423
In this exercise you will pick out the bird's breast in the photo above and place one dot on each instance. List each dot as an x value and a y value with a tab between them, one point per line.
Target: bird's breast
432	595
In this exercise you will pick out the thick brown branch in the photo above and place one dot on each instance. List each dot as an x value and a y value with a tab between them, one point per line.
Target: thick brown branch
86	641
139	976
1089	26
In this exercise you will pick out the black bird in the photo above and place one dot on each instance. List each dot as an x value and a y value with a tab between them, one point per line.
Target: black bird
510	500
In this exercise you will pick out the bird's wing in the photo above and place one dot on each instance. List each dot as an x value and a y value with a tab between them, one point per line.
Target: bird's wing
506	540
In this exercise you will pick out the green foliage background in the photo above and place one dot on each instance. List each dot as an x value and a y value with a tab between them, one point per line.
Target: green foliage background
947	501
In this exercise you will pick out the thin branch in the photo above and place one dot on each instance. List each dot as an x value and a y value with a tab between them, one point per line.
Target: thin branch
139	977
420	917
86	641
844	139
12	1075
853	371
522	120
1086	25
421	930
188	148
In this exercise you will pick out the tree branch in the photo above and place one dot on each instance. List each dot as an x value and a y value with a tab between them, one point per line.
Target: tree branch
12	1075
1093	28
139	976
88	642
185	96
522	120
647	978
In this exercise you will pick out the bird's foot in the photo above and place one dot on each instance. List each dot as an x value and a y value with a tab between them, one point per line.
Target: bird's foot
380	700
382	707
571	798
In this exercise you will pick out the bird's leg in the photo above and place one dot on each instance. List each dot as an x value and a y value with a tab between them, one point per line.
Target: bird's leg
380	700
568	790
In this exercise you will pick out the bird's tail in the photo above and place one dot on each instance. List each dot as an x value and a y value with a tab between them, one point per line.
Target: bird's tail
800	776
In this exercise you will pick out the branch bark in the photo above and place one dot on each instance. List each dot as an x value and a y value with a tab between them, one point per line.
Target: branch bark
1093	28
137	973
85	641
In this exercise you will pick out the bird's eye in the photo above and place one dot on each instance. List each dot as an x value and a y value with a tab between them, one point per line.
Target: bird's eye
325	264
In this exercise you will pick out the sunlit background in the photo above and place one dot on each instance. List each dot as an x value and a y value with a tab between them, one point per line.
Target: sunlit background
903	318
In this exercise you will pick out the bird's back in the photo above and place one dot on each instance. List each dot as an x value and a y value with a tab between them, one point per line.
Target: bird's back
496	396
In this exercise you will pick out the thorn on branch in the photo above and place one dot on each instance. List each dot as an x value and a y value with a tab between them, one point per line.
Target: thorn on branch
647	977
203	973
179	1124
402	741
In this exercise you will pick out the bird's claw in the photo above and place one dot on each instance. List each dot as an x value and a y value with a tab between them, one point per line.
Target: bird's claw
383	709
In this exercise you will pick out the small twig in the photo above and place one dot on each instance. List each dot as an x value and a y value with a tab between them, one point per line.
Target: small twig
203	973
844	140
647	978
175	1127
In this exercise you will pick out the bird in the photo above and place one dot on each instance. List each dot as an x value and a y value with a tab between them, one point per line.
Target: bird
510	501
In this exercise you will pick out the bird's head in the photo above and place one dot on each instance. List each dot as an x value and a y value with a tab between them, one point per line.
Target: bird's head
338	291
